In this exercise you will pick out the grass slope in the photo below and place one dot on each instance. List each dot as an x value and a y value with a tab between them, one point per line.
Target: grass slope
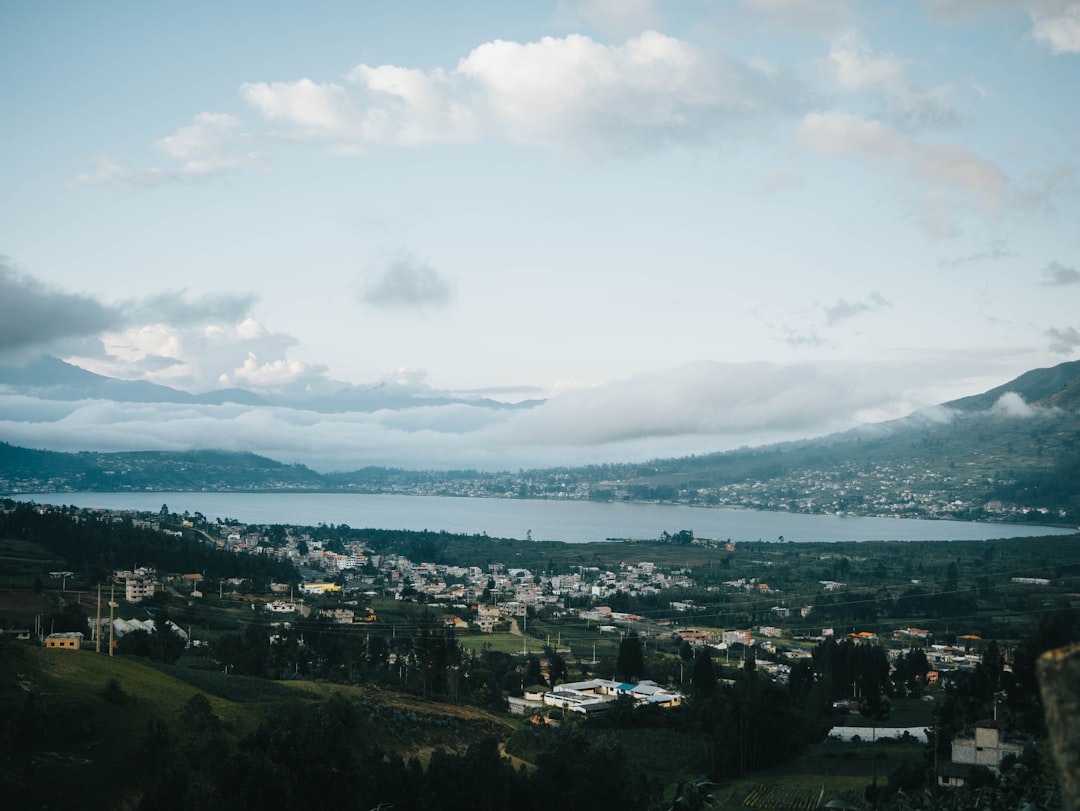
67	733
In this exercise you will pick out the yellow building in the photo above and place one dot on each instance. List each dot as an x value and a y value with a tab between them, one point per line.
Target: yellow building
72	640
319	588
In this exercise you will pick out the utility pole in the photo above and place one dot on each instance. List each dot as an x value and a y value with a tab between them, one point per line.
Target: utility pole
112	605
97	625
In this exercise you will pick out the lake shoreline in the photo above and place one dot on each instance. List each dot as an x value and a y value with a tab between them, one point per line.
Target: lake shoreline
18	496
567	520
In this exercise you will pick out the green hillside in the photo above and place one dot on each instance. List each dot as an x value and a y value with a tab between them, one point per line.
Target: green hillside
83	729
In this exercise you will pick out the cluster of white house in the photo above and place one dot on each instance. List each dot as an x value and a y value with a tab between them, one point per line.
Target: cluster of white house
594	695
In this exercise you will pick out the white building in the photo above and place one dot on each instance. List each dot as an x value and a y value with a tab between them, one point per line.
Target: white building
598	694
137	589
987	746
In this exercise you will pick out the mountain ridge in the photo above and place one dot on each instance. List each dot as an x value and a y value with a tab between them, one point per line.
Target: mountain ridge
50	378
979	457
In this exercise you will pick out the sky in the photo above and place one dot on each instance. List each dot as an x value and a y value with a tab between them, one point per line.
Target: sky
683	226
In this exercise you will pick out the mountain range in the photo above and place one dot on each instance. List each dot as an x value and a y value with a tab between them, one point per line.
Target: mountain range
1010	452
50	378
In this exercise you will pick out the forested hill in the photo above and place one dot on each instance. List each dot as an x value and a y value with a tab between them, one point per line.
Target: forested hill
1012	453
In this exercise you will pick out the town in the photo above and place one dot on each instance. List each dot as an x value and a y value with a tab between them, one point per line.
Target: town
554	631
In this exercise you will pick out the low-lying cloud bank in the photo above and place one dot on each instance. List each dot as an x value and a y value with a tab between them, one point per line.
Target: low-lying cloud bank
697	408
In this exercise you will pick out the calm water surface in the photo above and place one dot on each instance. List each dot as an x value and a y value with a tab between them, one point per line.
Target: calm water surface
570	521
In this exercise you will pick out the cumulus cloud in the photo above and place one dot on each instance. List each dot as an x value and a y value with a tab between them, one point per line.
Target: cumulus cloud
1058	275
572	95
843	309
265	375
1063	341
211	144
854	67
172	338
1057	24
406	282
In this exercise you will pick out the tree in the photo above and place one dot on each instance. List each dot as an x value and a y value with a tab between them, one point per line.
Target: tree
703	677
556	666
630	664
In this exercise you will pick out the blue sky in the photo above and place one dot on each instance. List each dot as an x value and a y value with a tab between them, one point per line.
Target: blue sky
688	226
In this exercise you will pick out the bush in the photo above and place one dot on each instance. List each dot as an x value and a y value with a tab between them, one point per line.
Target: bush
113	692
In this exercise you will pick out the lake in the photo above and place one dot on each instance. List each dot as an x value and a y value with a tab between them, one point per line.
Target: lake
569	521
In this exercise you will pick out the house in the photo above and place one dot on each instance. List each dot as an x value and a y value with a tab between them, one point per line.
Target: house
71	640
487	617
319	588
342	616
986	746
137	589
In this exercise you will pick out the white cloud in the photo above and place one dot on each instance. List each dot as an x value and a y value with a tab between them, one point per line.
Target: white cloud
1012	404
854	68
696	408
310	108
839	134
1054	23
265	375
408	378
1058	25
704	406
211	144
110	173
571	95
200	138
200	356
947	176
